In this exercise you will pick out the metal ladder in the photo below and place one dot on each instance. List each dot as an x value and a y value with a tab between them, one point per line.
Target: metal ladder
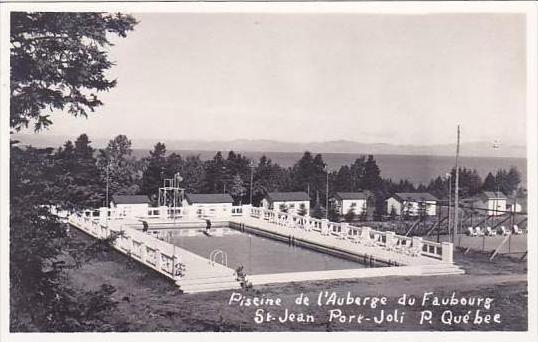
215	254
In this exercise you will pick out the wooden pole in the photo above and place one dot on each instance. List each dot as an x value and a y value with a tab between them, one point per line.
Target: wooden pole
456	188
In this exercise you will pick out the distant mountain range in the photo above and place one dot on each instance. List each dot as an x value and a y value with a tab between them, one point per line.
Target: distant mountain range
479	149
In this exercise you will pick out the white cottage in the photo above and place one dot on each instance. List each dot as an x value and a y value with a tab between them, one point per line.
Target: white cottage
208	205
494	202
411	203
130	205
343	202
291	202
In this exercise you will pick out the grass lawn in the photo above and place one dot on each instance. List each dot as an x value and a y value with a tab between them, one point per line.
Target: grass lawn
148	302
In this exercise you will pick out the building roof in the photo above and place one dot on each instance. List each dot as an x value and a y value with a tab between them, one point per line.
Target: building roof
493	195
287	196
130	199
351	195
208	198
414	196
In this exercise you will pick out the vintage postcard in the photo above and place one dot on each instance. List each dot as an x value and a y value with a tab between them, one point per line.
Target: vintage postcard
348	170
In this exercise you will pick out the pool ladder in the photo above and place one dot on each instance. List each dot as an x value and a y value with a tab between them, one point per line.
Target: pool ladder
215	254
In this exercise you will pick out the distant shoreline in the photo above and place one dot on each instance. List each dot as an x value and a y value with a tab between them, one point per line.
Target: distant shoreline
468	149
415	168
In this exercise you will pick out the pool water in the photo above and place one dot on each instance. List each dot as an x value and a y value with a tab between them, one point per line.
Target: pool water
258	255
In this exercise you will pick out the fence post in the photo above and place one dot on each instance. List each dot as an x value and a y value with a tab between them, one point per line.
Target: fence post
344	229
103	215
246	210
158	259
390	239
365	233
417	243
324	227
143	252
129	243
447	250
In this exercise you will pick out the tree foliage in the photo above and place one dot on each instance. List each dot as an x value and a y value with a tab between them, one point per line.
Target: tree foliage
76	169
238	189
118	167
41	298
59	62
350	215
156	166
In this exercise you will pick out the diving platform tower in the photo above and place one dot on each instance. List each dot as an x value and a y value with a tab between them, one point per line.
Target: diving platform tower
171	194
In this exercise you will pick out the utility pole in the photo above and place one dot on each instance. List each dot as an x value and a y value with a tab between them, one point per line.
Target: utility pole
251	180
456	189
327	197
107	183
449	177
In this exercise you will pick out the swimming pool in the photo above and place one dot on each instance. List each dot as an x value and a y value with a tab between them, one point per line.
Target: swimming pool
257	254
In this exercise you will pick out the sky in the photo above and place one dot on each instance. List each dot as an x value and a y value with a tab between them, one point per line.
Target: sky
372	78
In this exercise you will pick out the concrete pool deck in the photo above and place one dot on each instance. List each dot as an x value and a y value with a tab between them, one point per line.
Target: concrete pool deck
332	242
203	275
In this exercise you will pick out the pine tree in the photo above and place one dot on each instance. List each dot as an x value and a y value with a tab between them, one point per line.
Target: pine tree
215	174
350	215
372	175
513	178
238	189
302	210
156	170
393	212
489	183
117	164
309	172
193	173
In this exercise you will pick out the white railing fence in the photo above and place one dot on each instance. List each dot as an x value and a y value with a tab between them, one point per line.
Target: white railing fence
155	253
388	240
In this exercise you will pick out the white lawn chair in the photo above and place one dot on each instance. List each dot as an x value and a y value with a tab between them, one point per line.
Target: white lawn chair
368	241
470	231
516	230
490	232
413	251
502	231
390	246
401	246
478	231
377	240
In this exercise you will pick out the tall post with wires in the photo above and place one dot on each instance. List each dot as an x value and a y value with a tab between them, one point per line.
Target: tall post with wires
107	204
456	189
251	179
327	193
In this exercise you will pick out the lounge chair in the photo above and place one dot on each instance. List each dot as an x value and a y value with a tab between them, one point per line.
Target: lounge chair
490	232
478	231
516	230
356	239
413	251
368	241
377	240
401	246
391	246
470	231
502	231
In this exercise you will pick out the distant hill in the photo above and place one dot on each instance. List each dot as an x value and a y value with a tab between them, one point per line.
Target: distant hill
481	149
